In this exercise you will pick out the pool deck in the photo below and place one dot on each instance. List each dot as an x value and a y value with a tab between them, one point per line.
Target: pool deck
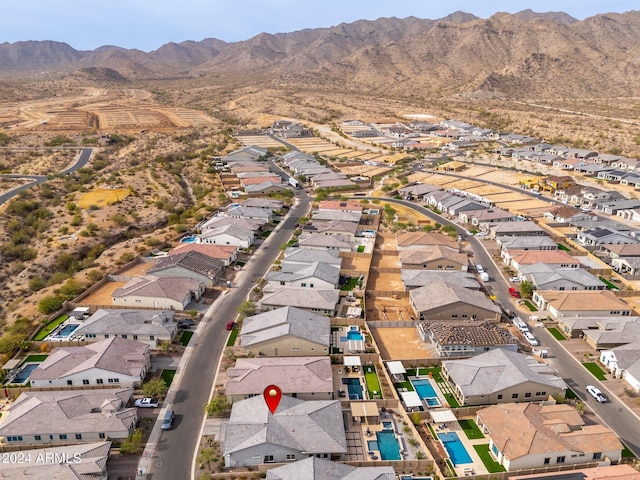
52	337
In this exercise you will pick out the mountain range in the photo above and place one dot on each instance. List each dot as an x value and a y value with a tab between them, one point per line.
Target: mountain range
527	54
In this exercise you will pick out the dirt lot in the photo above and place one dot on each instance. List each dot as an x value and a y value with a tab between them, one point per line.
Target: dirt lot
103	295
400	343
386	241
140	268
385	261
387	308
384	281
357	264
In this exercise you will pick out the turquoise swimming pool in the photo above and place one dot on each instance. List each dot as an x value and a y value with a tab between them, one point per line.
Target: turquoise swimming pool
426	392
457	453
23	375
388	445
354	387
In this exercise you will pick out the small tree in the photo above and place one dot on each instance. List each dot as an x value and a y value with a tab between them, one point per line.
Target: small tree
133	443
246	309
526	289
50	304
217	405
415	418
156	387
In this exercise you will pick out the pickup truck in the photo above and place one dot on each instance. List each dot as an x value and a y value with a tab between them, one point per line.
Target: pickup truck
146	403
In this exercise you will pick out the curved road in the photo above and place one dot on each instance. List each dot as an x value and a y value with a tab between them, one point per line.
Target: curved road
82	160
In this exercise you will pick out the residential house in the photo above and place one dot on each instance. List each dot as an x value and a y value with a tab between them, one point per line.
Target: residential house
226	254
324	242
612	332
519	258
298	429
531	435
624	362
622	250
419	240
554	182
336	215
191	264
71	462
574	327
546	276
515	229
311	255
342	205
595	237
323	302
314	468
440	301
487	216
615	206
173	293
524	243
418	191
147	326
307	378
223	220
465	337
419	278
434	257
265	188
626	265
566	214
286	331
72	416
581	303
601	472
502	376
632	214
346	230
233	235
259	214
116	361
251	153
266	203
316	275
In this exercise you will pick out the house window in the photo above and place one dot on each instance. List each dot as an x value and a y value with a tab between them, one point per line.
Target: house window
514	395
123	336
17	438
291	456
547	460
78	436
439	267
597	455
455	315
113	380
135	337
293	349
527	395
69	382
500	397
63	436
106	335
474	316
560	459
85	382
281	282
152	337
311	285
99	381
303	284
101	435
268	459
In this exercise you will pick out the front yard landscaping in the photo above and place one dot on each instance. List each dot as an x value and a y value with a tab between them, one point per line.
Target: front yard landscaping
167	376
186	336
595	370
609	285
557	334
530	306
232	338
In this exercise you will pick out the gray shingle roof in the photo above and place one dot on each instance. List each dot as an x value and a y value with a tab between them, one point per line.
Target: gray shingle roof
301	297
314	468
192	260
174	288
441	294
117	322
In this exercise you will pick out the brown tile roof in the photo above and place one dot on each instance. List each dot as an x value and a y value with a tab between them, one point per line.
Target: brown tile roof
528	429
430	253
469	332
553	257
584	300
340	205
425	238
624	249
213	251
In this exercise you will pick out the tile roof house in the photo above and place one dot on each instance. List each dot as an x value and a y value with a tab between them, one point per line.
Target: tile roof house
226	254
581	303
529	435
487	216
551	277
461	338
298	429
265	188
218	221
622	250
416	240
346	230
344	205
267	203
63	417
311	255
192	264
317	275
440	301
502	376
434	257
286	331
602	472
314	468
419	278
574	327
419	190
336	215
612	332
538	242
520	258
324	242
74	462
232	234
624	362
114	361
526	228
173	293
147	326
323	302
307	378
252	213
595	237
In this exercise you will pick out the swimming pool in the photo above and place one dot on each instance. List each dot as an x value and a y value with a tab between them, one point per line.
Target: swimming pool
388	445
372	445
387	425
67	330
411	477
354	387
352	335
425	391
23	375
188	239
457	453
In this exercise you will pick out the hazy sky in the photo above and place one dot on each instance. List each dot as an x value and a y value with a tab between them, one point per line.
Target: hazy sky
148	24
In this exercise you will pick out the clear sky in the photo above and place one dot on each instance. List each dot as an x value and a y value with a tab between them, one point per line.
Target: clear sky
148	24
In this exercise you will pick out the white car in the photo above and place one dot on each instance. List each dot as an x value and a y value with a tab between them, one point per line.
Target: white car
520	324
528	336
597	394
146	403
514	279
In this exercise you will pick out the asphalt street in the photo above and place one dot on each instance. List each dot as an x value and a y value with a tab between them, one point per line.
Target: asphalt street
175	449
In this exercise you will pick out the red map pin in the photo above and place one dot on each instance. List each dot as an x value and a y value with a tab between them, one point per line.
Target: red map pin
272	396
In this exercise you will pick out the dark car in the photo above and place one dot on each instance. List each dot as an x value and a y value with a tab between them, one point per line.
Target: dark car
186	323
231	325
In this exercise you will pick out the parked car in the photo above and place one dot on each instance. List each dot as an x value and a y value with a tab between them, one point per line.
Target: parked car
520	324
231	325
167	421
597	394
514	279
185	323
533	341
147	402
514	293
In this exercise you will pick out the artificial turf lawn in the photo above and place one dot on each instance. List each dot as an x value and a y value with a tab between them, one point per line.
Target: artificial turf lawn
491	465
595	370
471	430
557	334
49	327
